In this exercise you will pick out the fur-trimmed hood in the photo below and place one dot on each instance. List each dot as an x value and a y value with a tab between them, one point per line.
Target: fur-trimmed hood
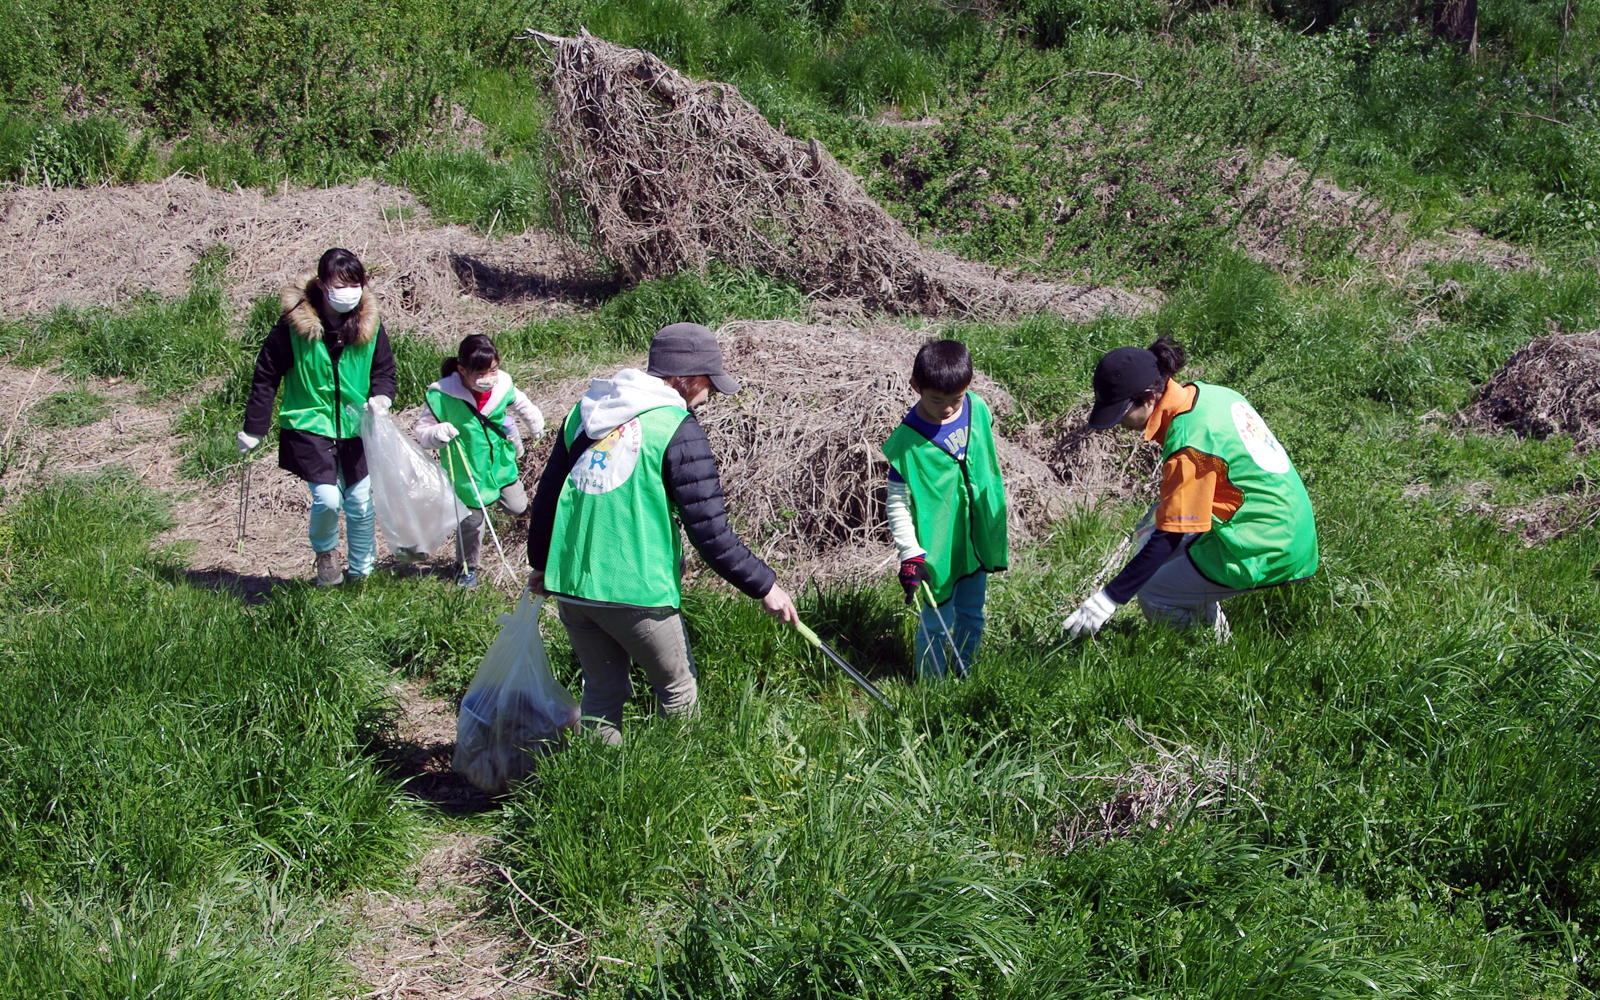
306	322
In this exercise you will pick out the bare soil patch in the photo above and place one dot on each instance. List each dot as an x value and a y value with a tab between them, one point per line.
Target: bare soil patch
100	246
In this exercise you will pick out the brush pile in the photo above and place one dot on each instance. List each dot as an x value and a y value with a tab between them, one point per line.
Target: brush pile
799	448
1551	386
675	173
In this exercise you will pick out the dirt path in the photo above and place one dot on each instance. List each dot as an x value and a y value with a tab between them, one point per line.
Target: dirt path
440	936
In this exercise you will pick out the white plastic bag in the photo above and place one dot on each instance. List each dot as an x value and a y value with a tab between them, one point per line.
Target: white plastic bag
514	707
414	500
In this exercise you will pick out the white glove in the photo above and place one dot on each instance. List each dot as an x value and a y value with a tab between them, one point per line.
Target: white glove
379	405
1091	614
445	433
246	442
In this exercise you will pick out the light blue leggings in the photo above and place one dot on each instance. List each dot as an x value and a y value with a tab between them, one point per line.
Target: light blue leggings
327	500
963	616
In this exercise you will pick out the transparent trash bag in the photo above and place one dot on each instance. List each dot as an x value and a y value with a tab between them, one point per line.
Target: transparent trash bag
515	707
1144	529
414	500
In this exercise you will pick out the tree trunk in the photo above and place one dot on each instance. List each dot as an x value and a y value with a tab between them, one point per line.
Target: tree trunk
1457	20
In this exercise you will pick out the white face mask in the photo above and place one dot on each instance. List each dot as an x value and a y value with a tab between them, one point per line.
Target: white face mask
486	383
344	299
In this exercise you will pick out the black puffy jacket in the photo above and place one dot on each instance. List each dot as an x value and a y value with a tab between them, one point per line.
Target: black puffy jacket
689	473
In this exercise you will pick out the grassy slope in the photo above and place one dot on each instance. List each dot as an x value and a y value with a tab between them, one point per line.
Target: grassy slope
1417	720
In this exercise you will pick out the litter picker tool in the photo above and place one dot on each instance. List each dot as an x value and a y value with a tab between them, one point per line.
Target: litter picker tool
927	594
244	503
487	518
839	661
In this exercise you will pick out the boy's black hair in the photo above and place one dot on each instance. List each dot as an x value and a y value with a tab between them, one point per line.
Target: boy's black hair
942	366
476	353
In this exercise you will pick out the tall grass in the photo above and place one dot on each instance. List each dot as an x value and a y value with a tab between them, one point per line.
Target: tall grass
187	782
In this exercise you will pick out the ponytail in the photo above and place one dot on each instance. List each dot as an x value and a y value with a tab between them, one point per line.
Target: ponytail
1170	356
448	367
476	353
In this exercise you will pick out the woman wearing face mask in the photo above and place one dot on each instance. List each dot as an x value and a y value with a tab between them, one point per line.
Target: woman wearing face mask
468	420
332	356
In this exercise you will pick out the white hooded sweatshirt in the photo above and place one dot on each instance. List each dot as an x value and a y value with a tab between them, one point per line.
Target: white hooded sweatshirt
612	402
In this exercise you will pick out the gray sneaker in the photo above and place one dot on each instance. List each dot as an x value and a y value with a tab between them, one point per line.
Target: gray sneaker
328	573
1221	628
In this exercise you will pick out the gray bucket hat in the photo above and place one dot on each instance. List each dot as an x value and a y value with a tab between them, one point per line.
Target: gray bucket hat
689	349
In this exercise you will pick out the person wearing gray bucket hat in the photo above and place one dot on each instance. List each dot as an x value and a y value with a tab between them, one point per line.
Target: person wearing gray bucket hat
689	349
630	466
1233	514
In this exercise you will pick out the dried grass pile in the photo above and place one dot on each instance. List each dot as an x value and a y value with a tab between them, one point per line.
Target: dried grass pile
1179	782
799	448
100	246
1551	386
1284	216
674	173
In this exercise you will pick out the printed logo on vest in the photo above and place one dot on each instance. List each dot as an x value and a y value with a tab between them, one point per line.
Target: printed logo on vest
1258	440
608	462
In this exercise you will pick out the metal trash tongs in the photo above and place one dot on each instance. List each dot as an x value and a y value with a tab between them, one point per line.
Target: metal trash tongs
839	662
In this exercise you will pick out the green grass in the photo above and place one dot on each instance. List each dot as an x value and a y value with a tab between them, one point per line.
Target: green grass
185	791
73	408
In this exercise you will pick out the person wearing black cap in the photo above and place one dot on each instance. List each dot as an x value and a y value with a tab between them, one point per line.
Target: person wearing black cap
1233	514
630	465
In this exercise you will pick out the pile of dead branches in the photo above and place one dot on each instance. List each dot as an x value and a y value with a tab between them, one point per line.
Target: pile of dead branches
675	173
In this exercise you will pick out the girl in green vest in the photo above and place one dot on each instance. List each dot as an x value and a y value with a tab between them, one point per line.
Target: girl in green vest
468	419
1233	515
332	356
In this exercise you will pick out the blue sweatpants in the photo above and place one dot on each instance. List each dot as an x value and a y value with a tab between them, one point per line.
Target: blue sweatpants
327	500
963	617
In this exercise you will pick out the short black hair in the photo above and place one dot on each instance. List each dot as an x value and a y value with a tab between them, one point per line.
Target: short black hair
942	366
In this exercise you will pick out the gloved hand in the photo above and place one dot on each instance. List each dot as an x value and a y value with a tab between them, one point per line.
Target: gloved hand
913	572
445	433
247	442
1091	614
379	405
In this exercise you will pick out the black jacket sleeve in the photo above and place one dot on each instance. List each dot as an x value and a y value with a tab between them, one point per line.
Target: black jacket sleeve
1143	565
383	370
690	473
542	512
272	363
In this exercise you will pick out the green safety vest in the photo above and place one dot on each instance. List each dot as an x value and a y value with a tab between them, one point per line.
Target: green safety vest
309	388
957	505
615	538
1272	538
491	460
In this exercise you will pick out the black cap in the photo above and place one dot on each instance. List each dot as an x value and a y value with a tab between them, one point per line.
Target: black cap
689	349
1120	377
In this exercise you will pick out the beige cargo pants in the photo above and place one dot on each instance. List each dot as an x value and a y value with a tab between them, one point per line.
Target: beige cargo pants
607	640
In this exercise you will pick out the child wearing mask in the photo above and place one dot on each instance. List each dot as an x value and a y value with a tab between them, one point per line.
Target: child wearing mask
946	503
468	419
331	354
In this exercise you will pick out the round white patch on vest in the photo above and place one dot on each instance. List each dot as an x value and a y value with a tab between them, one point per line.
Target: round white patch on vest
608	462
1259	440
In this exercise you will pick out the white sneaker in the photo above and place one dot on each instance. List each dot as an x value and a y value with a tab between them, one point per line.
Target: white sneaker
328	572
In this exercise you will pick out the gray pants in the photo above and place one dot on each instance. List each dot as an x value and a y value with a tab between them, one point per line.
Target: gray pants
469	536
607	640
1179	596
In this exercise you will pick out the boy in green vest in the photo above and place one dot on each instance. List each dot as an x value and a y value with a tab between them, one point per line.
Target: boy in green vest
946	504
468	419
1233	515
